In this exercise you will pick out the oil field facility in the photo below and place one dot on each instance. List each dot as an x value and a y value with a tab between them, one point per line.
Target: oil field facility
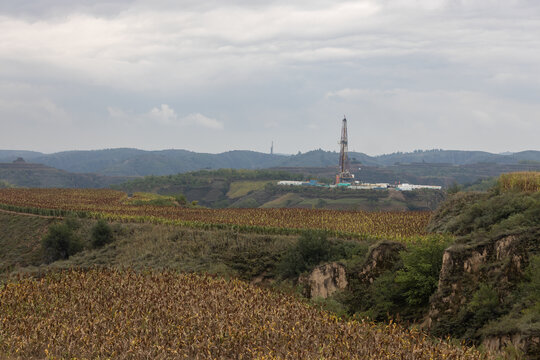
346	179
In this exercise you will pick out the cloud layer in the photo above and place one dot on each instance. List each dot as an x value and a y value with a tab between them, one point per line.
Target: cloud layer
440	71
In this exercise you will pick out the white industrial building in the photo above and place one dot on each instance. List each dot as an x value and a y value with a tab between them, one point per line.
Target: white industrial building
292	183
409	187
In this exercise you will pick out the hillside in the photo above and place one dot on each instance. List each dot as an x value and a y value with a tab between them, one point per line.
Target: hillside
134	162
167	315
419	173
257	188
20	240
489	283
41	176
456	157
479	285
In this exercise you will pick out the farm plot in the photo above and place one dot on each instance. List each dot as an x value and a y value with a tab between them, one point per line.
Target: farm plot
113	205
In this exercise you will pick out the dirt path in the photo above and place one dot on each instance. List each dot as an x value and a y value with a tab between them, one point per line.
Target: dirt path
28	214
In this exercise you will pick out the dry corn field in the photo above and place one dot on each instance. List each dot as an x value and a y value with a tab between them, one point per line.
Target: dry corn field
521	181
113	205
121	314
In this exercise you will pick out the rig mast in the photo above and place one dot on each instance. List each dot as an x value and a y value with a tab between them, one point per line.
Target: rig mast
344	175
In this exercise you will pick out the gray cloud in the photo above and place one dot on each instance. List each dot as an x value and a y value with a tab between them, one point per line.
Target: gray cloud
273	70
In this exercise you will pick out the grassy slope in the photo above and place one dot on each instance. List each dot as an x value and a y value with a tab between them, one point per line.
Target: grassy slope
169	247
144	245
241	188
250	188
370	200
20	240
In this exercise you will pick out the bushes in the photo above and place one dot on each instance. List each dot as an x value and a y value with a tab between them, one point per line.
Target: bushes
181	199
525	313
404	290
311	249
60	242
102	234
314	248
420	274
467	213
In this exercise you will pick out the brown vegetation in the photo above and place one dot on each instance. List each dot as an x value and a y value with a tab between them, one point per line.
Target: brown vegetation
112	205
528	181
123	314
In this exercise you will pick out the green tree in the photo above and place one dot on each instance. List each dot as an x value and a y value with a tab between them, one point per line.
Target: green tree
102	234
454	188
60	243
181	198
420	274
311	249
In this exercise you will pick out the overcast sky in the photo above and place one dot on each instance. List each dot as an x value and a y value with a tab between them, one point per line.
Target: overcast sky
218	75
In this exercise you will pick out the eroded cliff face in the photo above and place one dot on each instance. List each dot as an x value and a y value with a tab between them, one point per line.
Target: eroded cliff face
499	262
325	280
527	343
464	266
382	256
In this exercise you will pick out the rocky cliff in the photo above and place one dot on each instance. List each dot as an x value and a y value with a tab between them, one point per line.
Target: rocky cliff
484	293
325	280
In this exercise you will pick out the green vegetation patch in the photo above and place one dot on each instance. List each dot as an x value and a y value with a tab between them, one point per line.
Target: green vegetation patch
286	200
143	198
240	188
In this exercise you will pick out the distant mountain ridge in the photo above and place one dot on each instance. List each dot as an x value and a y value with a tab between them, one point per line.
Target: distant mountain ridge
23	174
135	162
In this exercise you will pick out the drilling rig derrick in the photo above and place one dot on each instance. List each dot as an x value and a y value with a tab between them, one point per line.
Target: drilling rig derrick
344	176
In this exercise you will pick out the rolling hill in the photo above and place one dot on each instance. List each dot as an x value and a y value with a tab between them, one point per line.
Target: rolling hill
41	176
134	162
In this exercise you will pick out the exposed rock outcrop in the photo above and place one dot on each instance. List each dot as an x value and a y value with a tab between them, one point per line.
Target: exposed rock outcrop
325	280
501	261
498	262
382	256
527	343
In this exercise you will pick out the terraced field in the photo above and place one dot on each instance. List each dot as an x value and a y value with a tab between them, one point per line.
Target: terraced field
114	206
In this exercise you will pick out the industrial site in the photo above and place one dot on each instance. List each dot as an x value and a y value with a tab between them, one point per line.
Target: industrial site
345	178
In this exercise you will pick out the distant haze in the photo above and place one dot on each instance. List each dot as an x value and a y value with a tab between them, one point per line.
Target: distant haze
213	76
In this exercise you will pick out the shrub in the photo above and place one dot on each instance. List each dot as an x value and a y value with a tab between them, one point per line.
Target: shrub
454	188
403	291
311	249
420	274
72	222
102	234
60	243
464	214
181	198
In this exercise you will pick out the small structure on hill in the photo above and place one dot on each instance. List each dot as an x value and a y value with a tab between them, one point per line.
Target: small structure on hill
19	160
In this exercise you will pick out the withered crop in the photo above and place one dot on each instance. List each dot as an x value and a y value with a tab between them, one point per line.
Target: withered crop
528	181
122	314
113	205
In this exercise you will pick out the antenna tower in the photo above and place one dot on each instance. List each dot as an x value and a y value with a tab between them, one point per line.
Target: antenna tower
344	172
272	148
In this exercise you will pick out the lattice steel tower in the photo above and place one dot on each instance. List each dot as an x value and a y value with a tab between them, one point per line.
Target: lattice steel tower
344	175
